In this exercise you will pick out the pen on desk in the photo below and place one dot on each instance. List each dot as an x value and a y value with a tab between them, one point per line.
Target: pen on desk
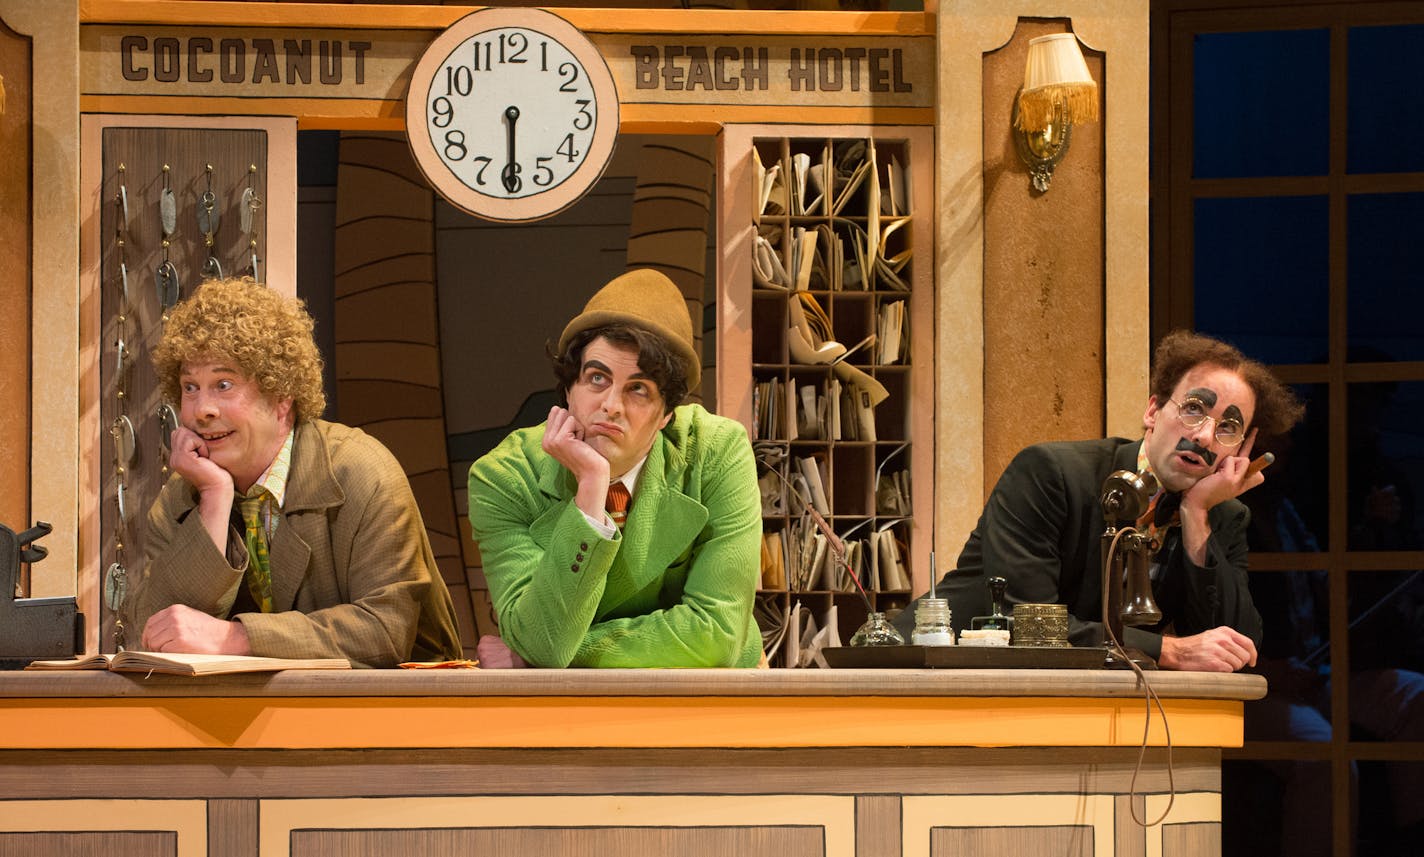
1260	463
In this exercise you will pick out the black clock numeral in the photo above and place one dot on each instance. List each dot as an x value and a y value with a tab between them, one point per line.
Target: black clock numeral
511	50
567	149
512	47
459	80
543	56
584	120
570	75
483	60
444	112
480	173
543	174
455	145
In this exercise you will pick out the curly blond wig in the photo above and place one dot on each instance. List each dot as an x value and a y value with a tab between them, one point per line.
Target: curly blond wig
266	336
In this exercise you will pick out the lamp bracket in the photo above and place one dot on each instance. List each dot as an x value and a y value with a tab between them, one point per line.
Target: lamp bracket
1042	150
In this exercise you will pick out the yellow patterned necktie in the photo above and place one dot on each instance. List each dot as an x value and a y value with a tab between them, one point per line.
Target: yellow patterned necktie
259	565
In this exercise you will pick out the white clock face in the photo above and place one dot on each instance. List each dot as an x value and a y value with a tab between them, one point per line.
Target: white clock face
509	121
511	113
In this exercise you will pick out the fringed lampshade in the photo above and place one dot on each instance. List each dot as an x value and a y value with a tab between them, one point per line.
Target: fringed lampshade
1056	76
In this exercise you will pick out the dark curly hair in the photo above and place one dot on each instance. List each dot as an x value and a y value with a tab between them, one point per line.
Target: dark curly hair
1277	408
656	360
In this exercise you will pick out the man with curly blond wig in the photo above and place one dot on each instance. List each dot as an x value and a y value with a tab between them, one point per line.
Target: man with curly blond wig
279	534
1042	526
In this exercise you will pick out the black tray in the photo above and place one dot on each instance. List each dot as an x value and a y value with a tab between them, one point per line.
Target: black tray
964	657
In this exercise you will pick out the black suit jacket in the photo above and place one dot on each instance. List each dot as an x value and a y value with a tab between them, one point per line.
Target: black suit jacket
1041	530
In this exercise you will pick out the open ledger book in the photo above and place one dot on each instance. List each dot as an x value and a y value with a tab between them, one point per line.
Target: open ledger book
175	663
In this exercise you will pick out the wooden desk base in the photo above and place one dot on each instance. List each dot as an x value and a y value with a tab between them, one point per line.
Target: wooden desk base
881	783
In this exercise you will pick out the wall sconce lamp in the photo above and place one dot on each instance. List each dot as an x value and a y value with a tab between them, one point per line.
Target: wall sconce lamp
1057	93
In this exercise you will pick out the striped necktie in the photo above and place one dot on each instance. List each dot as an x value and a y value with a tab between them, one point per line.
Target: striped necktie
617	503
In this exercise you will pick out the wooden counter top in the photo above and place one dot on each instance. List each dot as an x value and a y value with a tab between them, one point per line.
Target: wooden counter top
616	708
637	683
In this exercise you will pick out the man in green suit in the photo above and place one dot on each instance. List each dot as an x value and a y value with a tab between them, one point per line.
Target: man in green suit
626	530
279	534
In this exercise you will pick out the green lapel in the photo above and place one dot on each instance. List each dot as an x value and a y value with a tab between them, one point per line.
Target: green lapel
662	524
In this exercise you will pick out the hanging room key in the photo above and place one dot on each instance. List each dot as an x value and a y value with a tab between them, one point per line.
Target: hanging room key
208	214
123	208
167	424
208	219
248	210
116	586
122	526
168	211
121	361
124	442
165	280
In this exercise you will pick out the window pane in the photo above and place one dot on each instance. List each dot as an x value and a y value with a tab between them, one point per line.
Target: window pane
1386	100
1274	807
1294	657
1261	104
1386	284
1261	275
1290	511
1386	655
1388	806
1386	465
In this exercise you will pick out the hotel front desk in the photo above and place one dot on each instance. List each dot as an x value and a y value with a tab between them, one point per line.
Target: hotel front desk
754	763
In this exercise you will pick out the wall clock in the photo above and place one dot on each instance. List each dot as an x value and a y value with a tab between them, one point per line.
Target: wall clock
512	114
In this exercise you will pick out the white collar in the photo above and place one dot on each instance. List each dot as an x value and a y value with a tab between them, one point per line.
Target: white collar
630	479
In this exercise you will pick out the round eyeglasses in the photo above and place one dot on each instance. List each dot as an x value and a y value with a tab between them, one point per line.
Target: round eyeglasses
1192	413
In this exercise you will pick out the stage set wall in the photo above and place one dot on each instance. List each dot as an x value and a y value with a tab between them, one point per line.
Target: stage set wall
1040	325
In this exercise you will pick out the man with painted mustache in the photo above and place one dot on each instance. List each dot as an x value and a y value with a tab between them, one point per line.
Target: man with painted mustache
1042	525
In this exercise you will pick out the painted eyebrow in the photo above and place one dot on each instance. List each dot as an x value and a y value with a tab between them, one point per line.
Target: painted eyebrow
598	364
1233	412
1207	397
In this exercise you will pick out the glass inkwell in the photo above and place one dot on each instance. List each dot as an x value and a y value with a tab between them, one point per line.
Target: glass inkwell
877	631
932	617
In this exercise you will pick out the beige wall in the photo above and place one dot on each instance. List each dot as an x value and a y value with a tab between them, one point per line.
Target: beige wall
53	264
971	343
982	195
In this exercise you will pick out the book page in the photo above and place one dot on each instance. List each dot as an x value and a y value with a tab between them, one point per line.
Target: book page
92	662
177	663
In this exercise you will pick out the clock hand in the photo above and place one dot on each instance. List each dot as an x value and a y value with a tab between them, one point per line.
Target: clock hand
510	174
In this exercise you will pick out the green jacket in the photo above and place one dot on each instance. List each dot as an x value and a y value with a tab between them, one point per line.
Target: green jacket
673	589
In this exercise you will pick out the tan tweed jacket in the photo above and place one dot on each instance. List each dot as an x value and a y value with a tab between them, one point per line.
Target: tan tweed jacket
353	575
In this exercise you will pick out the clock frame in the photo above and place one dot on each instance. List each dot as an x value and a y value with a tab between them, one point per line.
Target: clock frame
512	114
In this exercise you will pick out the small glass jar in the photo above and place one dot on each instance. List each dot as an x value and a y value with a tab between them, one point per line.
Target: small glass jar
877	631
932	623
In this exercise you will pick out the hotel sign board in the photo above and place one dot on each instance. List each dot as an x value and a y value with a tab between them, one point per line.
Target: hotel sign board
666	69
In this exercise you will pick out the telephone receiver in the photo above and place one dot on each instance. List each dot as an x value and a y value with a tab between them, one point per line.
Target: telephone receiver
1127	585
1126	495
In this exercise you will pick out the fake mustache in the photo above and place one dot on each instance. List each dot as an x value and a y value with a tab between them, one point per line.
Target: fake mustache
1207	455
